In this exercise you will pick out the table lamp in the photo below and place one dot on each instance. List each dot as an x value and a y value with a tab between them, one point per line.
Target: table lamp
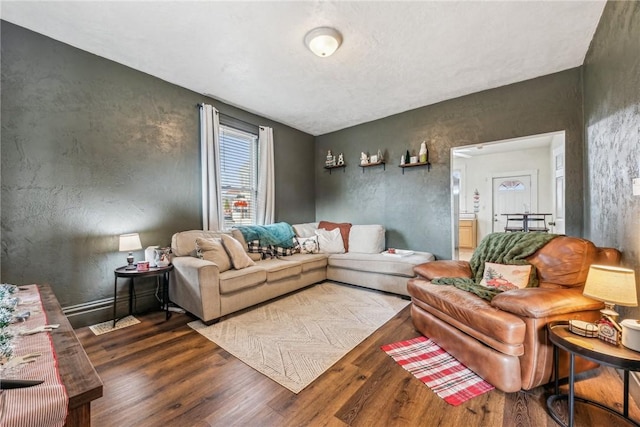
129	243
612	285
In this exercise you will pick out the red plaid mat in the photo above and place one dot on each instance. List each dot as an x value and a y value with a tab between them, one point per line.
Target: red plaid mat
447	377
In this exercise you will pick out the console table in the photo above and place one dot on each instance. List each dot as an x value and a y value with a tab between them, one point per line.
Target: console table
78	375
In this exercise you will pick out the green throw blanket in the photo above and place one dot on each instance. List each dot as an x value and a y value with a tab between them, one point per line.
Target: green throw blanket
279	234
500	248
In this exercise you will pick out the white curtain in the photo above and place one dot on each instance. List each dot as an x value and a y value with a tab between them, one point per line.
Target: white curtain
212	213
266	179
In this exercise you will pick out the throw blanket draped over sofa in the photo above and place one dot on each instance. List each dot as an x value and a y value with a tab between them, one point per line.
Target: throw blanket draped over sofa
501	248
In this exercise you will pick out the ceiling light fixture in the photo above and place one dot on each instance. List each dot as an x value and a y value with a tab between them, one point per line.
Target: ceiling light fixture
323	41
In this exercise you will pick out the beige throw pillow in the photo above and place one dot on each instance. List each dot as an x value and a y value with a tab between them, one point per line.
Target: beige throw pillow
212	250
239	258
505	277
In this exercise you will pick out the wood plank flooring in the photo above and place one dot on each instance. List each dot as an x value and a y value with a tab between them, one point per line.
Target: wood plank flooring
162	373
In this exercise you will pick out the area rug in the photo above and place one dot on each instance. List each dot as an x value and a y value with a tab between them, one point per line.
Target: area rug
293	340
448	378
104	327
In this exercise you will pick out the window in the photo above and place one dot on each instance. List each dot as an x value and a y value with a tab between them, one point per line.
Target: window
511	186
238	173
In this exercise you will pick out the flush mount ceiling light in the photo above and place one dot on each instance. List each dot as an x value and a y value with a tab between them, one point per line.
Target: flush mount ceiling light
323	41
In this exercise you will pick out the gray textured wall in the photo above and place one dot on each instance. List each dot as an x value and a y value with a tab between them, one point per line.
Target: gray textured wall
612	129
92	149
416	207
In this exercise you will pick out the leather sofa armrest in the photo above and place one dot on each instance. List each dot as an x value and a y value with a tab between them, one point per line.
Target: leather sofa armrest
436	269
542	302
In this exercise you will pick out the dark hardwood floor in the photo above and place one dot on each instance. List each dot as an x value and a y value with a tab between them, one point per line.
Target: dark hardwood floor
162	373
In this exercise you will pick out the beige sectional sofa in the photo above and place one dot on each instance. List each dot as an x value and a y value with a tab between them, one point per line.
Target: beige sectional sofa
200	287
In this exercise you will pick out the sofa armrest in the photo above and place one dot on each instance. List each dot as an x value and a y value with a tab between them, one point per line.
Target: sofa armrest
543	302
436	269
195	286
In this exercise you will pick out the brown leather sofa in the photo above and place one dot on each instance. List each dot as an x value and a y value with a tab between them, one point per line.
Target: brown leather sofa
505	340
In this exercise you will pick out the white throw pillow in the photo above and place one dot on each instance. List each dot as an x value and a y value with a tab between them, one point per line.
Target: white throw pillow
309	245
305	230
330	242
505	277
366	239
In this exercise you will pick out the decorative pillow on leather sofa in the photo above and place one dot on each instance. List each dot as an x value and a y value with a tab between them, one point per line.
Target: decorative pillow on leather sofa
212	250
344	227
330	242
505	276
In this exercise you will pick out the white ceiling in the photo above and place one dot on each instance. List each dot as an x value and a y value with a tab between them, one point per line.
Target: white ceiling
395	56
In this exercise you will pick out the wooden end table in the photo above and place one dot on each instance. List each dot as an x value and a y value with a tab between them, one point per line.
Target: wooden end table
158	272
593	349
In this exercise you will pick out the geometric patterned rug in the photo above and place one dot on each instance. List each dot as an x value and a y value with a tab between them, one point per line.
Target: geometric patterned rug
293	340
431	364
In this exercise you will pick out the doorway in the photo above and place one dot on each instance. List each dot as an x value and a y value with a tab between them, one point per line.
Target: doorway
476	166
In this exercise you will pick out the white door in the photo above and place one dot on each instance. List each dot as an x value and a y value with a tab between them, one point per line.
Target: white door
512	194
557	225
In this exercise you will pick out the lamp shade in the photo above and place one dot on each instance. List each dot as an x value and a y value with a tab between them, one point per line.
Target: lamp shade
130	242
611	284
323	41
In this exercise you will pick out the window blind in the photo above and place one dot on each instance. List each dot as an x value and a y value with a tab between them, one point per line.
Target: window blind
238	175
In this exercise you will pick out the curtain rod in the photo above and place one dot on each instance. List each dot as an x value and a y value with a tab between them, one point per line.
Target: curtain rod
234	118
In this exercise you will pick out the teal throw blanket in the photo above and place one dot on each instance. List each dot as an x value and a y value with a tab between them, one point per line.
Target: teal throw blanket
500	248
279	234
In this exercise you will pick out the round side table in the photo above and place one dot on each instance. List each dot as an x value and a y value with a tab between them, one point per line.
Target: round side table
158	272
593	349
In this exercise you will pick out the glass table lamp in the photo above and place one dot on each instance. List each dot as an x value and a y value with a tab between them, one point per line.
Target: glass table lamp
612	285
129	243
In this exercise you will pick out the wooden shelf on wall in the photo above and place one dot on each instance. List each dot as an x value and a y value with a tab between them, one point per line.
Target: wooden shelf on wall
330	168
413	165
368	165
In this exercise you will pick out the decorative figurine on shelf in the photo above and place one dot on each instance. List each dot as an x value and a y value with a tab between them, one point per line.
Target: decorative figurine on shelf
340	159
402	160
380	157
424	152
364	160
331	159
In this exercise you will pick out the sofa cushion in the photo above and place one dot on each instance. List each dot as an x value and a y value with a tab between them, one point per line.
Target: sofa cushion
307	229
184	243
309	245
366	239
237	234
477	317
330	242
235	280
310	261
379	263
505	276
237	253
278	269
344	228
212	250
